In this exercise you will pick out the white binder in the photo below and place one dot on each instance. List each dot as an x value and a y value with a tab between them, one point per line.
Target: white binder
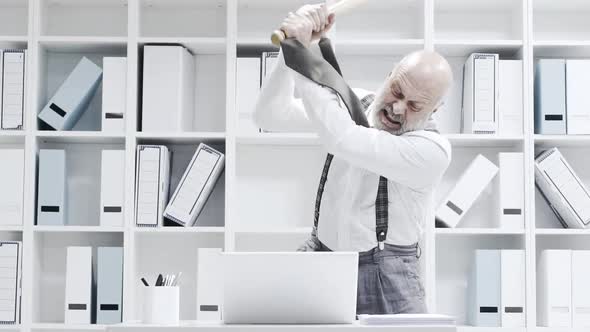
511	190
209	284
554	288
247	90
577	102
580	289
471	184
485	289
78	306
109	285
566	194
151	184
513	288
65	108
12	89
168	89
112	187
510	101
269	61
10	275
550	109
480	94
51	199
114	92
12	186
196	186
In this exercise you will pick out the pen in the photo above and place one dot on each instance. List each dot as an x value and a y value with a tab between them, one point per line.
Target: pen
159	280
145	283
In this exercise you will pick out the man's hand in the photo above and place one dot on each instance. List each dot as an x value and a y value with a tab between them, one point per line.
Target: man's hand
308	23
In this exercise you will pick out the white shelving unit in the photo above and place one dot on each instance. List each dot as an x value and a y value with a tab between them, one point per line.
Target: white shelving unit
265	199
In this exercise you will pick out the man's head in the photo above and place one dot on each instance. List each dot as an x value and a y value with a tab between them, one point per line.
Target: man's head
411	93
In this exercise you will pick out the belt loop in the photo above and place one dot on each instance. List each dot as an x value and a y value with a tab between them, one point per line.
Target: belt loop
418	250
381	245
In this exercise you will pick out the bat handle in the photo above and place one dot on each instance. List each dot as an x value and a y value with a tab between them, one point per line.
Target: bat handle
277	37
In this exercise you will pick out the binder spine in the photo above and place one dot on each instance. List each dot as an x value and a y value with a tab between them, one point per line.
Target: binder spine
3	88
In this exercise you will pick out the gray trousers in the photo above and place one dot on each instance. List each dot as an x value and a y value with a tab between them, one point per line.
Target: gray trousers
388	279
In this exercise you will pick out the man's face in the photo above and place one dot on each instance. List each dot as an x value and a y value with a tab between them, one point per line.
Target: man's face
400	106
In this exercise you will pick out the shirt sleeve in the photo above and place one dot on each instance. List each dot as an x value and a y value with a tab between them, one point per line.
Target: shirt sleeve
276	107
412	160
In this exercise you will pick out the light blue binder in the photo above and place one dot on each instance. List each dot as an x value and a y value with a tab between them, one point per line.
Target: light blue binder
72	98
550	109
485	289
109	287
51	199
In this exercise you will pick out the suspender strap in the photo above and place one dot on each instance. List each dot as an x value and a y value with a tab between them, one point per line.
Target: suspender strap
326	72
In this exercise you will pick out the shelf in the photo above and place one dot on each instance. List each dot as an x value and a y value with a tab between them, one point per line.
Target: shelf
476	231
183	137
294	230
12	136
77	229
11	228
475	140
377	46
80	137
68	327
212	45
506	48
179	230
76	44
549	141
490	329
562	231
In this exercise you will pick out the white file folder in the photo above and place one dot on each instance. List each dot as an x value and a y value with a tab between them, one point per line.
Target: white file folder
51	200
168	88
510	101
513	288
480	94
550	109
209	284
10	287
114	92
554	288
65	108
78	306
112	187
12	186
563	190
577	101
485	289
151	185
471	184
511	190
12	90
109	285
247	91
580	289
269	61
196	186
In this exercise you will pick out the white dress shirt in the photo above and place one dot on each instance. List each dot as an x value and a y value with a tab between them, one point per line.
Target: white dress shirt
413	163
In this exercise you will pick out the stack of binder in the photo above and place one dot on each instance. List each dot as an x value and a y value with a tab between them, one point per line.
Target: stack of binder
497	289
90	301
561	101
10	275
251	75
13	73
562	289
492	95
189	197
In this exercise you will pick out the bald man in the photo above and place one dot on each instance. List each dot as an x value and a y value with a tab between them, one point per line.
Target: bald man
401	152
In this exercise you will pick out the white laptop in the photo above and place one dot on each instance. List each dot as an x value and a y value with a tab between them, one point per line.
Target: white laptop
290	287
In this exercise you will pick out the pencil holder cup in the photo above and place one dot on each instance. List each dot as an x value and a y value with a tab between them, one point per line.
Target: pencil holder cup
161	305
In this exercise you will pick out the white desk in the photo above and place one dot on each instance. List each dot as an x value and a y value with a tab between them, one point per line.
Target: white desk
187	326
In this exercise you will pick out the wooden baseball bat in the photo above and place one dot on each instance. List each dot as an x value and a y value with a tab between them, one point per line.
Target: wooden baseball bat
339	7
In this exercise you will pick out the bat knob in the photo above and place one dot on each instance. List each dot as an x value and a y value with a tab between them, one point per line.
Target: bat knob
277	37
